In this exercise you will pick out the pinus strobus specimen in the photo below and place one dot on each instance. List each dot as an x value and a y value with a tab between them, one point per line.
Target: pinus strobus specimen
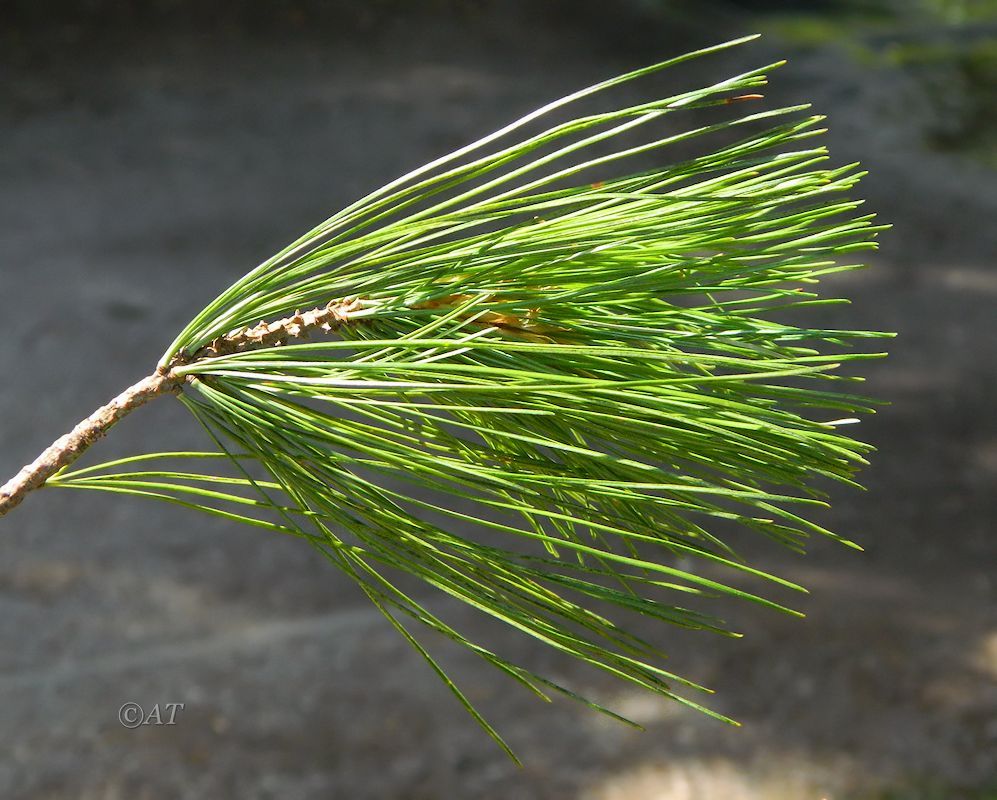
590	355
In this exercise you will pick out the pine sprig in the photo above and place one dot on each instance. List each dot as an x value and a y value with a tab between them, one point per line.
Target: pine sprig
542	376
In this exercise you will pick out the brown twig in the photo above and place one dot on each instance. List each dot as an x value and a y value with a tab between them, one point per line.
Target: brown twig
274	334
66	449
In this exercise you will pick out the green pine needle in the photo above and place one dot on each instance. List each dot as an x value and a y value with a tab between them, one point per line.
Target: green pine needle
556	375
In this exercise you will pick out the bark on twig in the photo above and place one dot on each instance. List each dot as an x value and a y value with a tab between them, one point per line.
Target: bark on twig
66	449
274	334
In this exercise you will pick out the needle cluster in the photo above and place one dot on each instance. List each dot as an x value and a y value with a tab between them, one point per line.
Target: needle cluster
568	375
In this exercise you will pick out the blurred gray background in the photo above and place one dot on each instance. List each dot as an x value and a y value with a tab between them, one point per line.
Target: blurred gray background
151	152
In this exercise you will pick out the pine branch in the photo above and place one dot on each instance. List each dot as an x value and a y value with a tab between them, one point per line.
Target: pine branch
544	375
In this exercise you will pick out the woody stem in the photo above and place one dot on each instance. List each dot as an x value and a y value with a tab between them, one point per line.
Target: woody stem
66	449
